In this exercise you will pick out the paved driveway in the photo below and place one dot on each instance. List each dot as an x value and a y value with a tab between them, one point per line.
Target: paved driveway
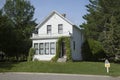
48	76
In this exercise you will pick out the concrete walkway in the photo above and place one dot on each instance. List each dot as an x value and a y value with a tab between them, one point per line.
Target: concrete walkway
52	76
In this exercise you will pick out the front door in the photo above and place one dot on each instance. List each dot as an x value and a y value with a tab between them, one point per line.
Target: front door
63	49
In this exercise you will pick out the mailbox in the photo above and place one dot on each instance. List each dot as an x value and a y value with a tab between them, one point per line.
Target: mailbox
107	65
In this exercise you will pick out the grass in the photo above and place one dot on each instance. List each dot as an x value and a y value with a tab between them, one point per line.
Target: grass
92	68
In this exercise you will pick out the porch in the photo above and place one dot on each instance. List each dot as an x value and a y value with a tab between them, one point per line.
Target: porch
50	36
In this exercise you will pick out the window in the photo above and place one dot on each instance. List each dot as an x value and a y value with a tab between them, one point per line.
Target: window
74	45
52	48
48	29
36	48
60	28
41	48
47	48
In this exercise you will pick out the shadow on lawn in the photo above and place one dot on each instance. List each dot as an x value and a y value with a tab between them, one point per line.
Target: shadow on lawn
7	66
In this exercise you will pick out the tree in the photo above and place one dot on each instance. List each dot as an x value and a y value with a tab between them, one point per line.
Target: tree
6	34
20	12
103	24
111	35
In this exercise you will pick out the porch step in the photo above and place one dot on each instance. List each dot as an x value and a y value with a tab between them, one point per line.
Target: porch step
62	60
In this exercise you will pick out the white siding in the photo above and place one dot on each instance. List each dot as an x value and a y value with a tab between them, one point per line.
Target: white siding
54	21
77	37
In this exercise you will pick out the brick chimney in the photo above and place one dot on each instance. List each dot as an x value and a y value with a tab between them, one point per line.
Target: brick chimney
64	15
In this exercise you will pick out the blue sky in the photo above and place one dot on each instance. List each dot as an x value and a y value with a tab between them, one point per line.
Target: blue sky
74	9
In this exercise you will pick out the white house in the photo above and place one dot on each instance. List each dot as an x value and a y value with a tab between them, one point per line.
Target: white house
56	25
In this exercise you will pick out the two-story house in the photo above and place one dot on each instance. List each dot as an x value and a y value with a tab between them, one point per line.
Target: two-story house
56	25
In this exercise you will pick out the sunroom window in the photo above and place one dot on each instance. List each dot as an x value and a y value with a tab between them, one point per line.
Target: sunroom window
47	48
36	48
41	48
52	48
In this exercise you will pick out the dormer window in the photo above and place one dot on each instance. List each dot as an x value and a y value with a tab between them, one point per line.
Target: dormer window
60	28
48	29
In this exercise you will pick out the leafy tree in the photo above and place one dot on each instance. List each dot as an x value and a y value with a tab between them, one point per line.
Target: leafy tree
6	34
20	12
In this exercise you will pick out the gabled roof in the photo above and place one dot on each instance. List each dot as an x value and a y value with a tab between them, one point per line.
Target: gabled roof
50	15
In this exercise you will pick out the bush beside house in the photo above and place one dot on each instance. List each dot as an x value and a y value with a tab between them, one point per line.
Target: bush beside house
92	50
31	53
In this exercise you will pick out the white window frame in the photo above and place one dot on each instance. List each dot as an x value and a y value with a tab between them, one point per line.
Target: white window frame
49	29
36	48
47	48
60	28
52	48
41	49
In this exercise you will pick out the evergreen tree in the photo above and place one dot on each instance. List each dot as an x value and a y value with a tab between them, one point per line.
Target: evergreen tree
103	24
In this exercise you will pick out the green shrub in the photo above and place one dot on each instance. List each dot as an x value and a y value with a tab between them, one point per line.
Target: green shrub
36	60
86	52
68	49
117	58
96	49
31	53
92	50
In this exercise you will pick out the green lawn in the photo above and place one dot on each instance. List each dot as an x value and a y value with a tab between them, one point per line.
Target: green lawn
93	68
